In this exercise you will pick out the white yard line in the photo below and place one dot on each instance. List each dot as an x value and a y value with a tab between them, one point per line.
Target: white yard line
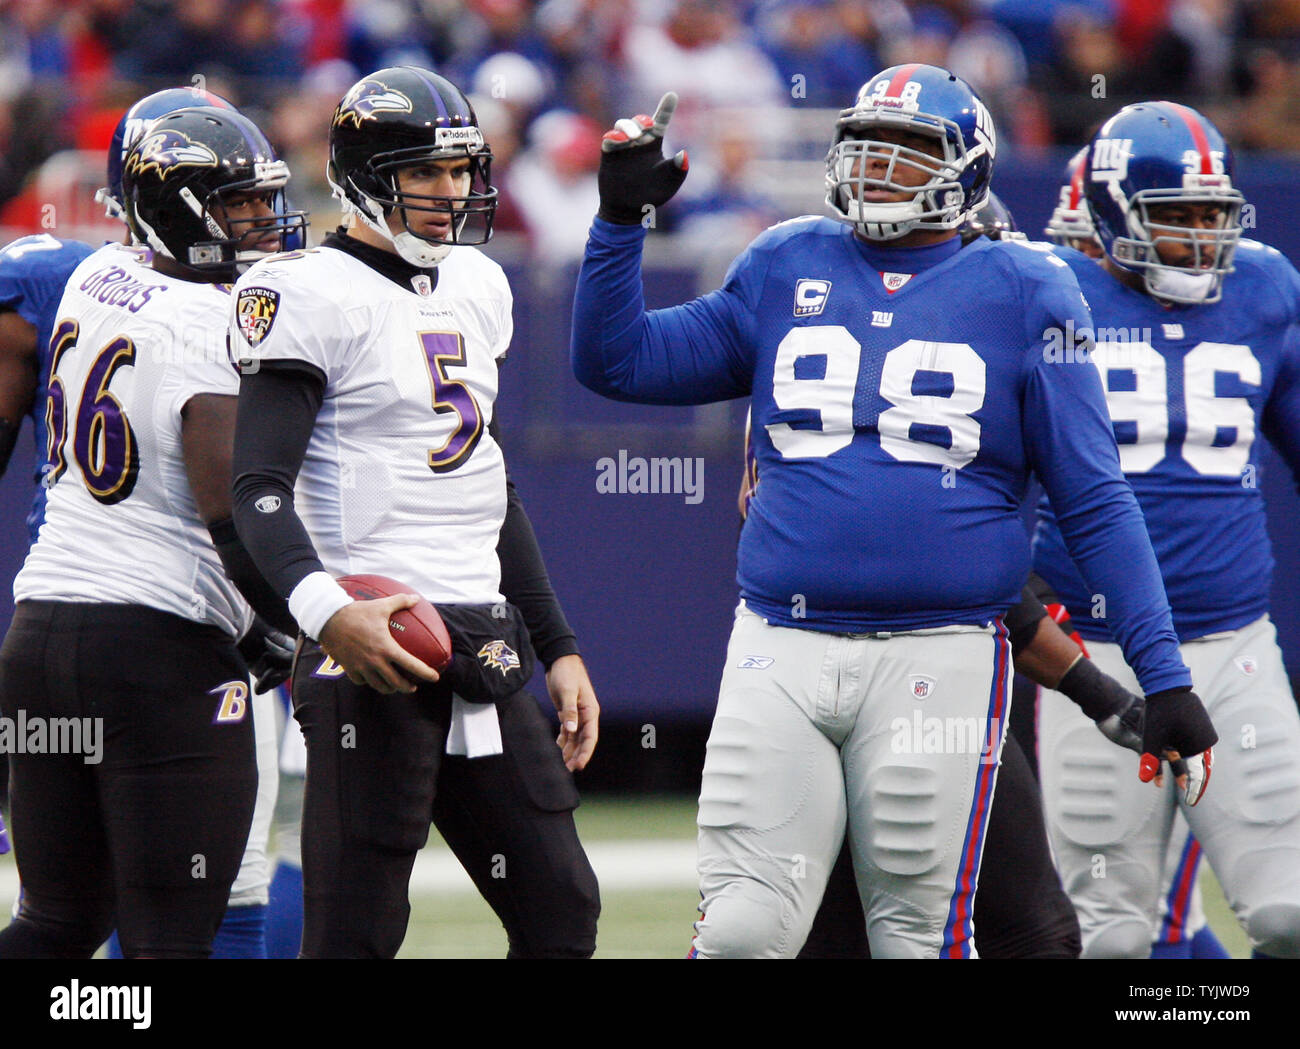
635	864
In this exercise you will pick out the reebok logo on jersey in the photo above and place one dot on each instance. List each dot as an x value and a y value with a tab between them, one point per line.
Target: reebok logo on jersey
894	281
810	296
268	504
255	310
499	655
754	663
922	687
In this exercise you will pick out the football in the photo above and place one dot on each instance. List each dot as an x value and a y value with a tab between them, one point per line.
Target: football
418	629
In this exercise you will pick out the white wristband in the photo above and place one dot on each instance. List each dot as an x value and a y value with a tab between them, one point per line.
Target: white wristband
314	600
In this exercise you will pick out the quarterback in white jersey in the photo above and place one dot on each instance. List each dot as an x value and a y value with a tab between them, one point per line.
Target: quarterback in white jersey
365	445
390	354
126	623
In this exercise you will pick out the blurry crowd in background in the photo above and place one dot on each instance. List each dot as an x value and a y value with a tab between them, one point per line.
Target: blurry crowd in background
759	82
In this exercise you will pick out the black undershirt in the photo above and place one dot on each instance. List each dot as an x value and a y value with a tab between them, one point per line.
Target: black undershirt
278	405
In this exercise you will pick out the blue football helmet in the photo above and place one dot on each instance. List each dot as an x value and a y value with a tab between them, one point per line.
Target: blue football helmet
1071	221
132	126
1155	154
925	100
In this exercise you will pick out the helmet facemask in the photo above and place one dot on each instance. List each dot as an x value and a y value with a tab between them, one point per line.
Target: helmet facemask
374	194
213	242
936	204
1209	250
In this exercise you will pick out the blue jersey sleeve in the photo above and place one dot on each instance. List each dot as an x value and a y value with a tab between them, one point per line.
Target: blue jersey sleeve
690	354
1071	447
1280	420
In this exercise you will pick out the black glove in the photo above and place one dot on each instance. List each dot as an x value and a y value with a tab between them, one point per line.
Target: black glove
1176	720
268	653
633	170
1117	712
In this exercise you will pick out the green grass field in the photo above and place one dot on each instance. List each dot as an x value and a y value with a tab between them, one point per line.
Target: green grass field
645	923
640	921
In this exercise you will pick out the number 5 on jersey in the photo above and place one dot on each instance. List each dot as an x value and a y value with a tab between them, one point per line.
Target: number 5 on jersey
441	350
952	370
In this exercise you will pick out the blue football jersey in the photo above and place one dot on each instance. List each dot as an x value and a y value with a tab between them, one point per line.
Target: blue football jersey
1190	389
33	271
900	400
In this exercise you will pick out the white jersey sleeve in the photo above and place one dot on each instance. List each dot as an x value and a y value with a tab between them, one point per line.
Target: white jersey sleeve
132	347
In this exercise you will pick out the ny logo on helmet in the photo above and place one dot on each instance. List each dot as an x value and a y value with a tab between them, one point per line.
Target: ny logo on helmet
499	655
367	100
1110	158
165	151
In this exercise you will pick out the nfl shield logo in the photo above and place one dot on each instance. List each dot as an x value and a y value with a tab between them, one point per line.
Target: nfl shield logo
255	310
894	281
1247	665
922	687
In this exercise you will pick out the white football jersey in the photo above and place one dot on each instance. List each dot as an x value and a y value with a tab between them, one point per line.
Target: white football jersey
130	347
401	477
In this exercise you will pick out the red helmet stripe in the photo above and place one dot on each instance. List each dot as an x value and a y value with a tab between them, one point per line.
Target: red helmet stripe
903	75
1198	135
1076	182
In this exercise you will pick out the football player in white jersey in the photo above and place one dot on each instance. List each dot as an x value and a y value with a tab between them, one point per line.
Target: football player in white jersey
370	371
136	804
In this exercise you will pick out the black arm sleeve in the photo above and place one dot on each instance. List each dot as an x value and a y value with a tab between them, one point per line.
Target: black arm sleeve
8	438
1022	620
277	413
244	574
525	583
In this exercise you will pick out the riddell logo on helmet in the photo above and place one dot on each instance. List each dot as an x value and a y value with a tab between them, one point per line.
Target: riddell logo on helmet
445	137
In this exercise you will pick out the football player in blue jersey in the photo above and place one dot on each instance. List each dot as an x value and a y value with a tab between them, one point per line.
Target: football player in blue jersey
1184	931
1198	349
33	272
902	391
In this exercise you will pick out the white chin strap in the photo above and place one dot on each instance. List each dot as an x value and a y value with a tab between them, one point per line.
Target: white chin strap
410	247
885	221
1180	285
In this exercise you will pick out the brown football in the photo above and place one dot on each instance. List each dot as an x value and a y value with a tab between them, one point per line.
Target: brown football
418	629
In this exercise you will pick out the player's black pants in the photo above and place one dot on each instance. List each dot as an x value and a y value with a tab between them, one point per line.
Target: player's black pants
152	835
1021	911
377	775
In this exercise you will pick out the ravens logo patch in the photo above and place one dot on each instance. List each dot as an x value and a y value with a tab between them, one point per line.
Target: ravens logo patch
499	655
255	310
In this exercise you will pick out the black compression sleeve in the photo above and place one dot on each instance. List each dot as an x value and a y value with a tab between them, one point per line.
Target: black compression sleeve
244	574
277	413
1041	589
525	583
1099	695
1022	620
8	438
